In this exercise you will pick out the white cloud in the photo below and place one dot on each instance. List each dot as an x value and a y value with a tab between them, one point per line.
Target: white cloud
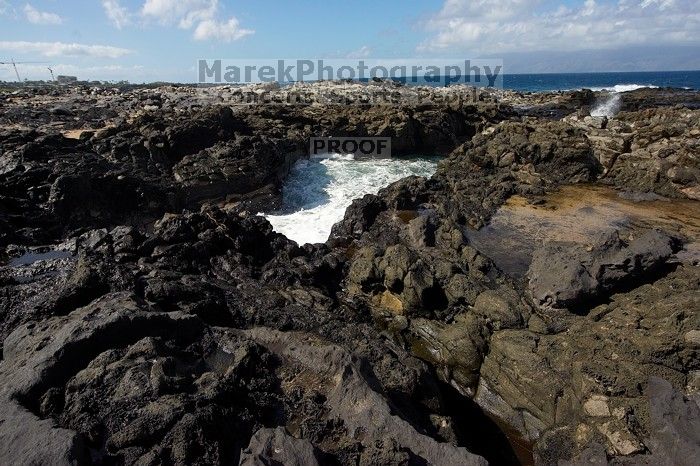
117	14
663	4
61	49
362	52
493	26
183	12
200	16
35	16
8	10
225	31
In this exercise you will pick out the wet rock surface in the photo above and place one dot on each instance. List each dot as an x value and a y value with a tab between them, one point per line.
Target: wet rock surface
168	323
566	275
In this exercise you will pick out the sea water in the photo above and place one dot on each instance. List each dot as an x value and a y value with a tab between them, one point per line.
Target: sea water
608	81
618	82
318	190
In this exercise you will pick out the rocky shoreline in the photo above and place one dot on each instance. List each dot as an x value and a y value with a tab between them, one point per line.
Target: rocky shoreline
149	316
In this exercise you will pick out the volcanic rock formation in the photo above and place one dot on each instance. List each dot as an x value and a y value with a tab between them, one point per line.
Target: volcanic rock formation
149	316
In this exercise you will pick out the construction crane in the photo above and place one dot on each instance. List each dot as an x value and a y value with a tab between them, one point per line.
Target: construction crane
15	63
51	71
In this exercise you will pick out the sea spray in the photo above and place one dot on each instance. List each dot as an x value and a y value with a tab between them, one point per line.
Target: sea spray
318	190
624	87
608	107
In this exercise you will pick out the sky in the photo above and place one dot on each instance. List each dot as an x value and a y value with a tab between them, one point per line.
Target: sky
161	40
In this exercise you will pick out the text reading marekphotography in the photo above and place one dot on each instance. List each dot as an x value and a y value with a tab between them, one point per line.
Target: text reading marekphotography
480	72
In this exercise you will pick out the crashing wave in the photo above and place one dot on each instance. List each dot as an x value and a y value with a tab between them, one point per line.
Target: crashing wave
624	87
318	190
609	107
612	104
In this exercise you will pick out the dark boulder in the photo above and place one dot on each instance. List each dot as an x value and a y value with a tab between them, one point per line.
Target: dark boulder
570	276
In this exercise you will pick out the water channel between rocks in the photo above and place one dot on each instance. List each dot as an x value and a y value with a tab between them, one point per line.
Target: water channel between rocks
318	190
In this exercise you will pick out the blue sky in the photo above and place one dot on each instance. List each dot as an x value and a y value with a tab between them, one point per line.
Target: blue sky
146	40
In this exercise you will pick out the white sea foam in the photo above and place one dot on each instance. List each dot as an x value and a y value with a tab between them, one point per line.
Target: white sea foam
608	107
611	105
317	191
624	87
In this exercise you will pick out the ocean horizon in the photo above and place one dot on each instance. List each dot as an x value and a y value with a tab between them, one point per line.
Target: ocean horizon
551	82
596	81
614	81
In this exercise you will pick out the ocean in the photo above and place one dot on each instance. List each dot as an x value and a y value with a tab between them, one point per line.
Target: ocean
618	82
600	81
318	190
